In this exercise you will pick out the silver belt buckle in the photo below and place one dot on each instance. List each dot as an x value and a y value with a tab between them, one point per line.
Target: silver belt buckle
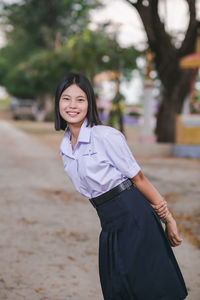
127	184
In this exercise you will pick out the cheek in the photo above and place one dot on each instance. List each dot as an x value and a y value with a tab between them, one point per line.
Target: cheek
61	106
61	109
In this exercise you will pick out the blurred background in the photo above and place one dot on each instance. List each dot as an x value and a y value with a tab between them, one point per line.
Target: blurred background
143	59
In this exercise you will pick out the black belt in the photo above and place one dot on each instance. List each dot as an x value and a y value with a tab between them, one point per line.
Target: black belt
111	193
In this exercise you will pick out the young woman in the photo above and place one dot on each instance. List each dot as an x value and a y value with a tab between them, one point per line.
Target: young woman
136	261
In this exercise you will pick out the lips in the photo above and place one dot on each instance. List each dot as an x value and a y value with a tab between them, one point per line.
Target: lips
72	114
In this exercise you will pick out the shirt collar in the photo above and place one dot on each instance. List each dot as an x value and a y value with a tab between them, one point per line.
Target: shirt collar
84	134
83	137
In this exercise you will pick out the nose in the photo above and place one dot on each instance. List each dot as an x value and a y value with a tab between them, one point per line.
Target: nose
72	103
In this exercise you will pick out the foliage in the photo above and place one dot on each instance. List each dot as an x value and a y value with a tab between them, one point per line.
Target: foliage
34	30
37	23
42	64
93	51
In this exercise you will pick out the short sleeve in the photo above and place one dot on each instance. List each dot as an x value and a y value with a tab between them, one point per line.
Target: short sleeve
119	153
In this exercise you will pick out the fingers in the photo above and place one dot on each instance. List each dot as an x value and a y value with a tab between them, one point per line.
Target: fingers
172	233
162	212
161	209
175	244
160	205
175	240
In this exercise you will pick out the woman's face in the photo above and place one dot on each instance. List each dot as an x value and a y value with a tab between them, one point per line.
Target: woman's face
73	105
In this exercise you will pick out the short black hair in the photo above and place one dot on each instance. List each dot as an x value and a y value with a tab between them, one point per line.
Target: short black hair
83	82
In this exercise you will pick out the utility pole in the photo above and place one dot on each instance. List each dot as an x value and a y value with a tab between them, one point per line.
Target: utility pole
147	130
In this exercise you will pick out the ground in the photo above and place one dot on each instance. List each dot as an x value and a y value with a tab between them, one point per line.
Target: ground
49	233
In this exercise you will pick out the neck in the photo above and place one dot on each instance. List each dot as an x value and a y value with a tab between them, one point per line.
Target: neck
75	129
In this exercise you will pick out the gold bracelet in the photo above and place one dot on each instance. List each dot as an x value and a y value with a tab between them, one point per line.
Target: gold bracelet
167	218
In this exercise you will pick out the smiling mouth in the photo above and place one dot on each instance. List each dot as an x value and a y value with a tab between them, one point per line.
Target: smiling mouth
72	114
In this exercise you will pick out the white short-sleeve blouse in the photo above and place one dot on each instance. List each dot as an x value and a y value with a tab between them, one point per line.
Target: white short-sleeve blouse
100	160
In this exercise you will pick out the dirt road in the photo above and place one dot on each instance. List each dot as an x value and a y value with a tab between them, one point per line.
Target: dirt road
49	233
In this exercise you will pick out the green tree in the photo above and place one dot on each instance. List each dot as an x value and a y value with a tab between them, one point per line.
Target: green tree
89	52
52	41
33	27
175	81
92	52
46	23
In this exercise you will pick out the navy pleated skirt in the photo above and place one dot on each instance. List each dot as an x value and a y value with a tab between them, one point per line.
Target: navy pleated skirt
136	261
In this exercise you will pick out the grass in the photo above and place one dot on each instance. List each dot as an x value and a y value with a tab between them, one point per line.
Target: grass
4	103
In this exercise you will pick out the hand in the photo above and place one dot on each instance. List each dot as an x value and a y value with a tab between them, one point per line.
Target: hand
161	209
172	233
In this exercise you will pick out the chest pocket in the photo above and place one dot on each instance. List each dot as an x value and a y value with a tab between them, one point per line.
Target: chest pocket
88	161
89	153
91	162
88	150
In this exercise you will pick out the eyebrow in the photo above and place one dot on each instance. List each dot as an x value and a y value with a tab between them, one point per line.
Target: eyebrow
76	96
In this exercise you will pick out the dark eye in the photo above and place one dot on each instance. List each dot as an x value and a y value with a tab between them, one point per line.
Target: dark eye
81	99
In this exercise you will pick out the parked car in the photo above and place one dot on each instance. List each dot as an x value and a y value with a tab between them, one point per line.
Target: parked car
25	109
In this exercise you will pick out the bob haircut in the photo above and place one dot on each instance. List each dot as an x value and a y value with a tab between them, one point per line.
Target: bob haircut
82	81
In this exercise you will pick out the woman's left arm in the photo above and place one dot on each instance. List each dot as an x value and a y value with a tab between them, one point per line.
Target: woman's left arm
151	193
159	204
